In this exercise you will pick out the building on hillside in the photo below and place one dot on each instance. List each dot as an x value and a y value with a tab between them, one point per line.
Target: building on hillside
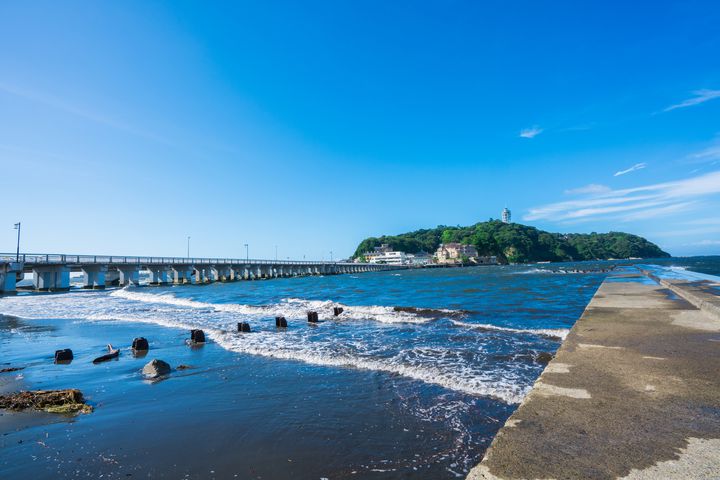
377	252
506	215
418	259
388	258
451	253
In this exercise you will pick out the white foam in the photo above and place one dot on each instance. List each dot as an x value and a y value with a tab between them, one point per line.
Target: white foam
461	367
560	333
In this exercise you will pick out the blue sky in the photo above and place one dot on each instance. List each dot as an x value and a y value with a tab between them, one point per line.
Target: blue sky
126	126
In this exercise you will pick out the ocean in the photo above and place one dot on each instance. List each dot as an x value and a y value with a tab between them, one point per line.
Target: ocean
412	380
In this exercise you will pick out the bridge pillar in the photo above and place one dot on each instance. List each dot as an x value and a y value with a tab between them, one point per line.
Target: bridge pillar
182	274
51	277
202	274
224	273
159	276
129	275
9	273
94	276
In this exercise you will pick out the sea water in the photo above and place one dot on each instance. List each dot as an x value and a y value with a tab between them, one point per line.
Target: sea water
452	350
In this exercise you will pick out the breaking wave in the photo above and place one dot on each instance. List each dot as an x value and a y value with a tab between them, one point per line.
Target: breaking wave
558	333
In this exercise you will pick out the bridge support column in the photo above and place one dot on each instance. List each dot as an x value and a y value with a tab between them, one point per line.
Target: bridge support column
224	274
182	274
94	276
51	278
9	273
159	276
129	275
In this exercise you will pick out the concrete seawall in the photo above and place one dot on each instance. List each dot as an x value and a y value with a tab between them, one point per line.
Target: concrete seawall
634	391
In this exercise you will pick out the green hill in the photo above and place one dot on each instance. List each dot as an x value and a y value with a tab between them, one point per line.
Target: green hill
516	243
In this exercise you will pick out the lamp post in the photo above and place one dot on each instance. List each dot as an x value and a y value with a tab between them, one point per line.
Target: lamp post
247	255
188	247
331	257
276	253
17	255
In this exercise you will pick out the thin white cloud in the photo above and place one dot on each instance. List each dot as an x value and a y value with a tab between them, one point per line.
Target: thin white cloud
58	104
705	243
701	96
646	213
635	203
531	132
709	154
637	166
588	189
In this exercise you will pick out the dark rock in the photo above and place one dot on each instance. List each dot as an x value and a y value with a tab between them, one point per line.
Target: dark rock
197	336
312	317
140	344
112	353
64	355
280	322
337	311
184	367
243	327
156	368
544	357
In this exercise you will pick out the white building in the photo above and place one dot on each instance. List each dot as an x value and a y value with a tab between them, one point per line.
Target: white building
506	215
388	258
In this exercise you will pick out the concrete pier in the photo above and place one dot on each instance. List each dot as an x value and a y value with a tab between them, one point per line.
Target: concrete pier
633	393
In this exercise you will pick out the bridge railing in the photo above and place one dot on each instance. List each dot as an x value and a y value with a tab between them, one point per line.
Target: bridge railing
65	259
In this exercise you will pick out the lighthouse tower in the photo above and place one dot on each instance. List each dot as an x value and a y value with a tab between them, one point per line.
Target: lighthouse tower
506	215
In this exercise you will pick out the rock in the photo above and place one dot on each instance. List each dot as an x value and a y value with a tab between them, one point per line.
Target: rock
312	317
156	368
544	357
64	355
337	311
112	353
243	327
184	367
53	401
197	336
140	344
280	322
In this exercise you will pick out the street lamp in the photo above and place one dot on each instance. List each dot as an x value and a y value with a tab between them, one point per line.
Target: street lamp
331	259
17	255
188	249
247	256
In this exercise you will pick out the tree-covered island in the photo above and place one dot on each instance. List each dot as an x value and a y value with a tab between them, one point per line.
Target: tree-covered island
516	243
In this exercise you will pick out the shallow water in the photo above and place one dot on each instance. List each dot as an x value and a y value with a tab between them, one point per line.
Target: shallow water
412	392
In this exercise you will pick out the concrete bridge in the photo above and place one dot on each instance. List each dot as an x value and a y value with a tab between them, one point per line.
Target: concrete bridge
51	272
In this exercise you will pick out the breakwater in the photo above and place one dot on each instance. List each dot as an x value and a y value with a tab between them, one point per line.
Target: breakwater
631	393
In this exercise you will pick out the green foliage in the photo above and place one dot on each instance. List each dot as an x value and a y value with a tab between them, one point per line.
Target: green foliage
516	243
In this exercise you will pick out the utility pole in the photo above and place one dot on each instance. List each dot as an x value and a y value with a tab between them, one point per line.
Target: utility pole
17	255
276	253
188	245
247	255
331	258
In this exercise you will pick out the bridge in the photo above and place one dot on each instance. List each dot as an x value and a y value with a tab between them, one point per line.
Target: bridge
51	272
